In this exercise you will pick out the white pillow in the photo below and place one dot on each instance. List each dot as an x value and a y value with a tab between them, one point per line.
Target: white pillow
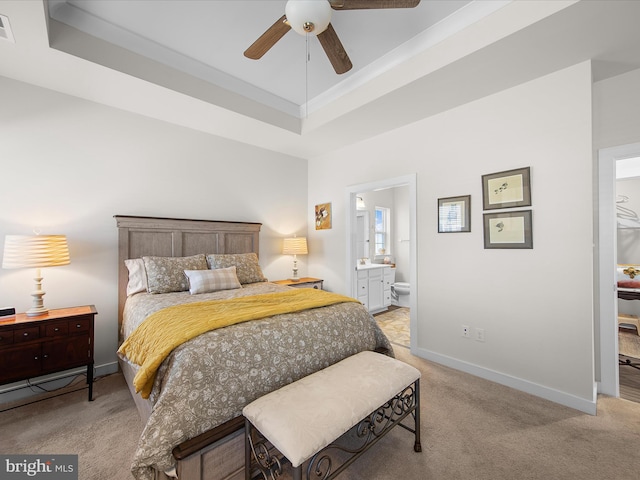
137	276
205	281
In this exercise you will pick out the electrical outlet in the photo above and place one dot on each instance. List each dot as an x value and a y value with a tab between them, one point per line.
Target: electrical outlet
480	334
466	331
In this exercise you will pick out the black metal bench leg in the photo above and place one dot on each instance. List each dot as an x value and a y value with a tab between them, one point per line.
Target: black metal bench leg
417	447
247	450
297	473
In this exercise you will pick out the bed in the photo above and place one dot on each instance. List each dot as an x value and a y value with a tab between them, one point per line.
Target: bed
193	428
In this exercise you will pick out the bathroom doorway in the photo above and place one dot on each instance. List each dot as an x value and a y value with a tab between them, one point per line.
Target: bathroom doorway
606	326
404	245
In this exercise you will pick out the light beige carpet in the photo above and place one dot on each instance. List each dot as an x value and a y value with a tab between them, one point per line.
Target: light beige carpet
472	429
395	324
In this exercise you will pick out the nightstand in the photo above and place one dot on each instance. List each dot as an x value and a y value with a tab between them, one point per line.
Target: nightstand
58	340
304	282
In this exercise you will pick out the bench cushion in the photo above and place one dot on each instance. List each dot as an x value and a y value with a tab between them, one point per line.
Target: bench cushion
302	418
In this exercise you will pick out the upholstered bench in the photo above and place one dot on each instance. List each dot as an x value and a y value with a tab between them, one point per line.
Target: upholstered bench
369	391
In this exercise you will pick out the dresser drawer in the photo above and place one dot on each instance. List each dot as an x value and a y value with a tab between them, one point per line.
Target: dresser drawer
57	329
6	337
26	334
79	325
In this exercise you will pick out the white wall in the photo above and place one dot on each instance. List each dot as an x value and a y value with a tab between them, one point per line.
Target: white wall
69	166
539	333
616	105
401	232
629	238
397	199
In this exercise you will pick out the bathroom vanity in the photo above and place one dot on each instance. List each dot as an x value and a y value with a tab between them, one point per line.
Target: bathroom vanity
374	286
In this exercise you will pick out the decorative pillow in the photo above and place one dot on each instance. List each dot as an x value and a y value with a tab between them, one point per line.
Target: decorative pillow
137	276
205	281
247	267
166	274
628	276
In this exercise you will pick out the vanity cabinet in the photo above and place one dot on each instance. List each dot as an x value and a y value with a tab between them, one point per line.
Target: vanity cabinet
374	286
389	279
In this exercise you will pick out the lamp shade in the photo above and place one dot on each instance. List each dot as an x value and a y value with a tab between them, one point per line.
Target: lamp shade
35	251
295	246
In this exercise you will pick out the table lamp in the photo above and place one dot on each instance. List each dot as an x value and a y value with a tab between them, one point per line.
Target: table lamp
35	251
295	246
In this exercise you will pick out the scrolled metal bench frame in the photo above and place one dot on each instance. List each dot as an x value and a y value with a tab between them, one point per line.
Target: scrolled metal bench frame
368	431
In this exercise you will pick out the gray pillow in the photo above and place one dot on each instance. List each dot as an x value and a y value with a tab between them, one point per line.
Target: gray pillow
166	274
247	267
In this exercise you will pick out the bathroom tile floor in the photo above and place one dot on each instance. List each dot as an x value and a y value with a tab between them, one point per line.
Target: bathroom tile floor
395	325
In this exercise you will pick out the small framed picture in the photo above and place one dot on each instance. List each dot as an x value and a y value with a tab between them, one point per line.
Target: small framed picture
323	216
508	230
454	214
511	188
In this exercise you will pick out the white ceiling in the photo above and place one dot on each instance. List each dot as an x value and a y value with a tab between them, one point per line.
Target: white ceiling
182	62
207	39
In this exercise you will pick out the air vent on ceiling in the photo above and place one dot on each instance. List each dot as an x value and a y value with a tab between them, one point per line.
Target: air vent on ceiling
5	29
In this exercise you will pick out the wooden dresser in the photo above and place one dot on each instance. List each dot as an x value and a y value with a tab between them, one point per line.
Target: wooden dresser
59	340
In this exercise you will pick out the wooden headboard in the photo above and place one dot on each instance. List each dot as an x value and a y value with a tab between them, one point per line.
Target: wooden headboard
172	237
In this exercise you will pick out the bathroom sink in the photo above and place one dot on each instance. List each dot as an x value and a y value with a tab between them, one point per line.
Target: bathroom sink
372	265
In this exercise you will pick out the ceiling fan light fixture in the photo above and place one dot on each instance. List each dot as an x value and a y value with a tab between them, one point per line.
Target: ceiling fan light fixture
308	16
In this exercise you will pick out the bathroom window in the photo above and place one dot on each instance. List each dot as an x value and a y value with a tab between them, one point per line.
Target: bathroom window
382	230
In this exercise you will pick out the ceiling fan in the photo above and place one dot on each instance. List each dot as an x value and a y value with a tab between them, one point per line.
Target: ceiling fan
314	17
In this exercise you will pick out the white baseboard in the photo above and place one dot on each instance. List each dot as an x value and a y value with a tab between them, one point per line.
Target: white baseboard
556	396
20	390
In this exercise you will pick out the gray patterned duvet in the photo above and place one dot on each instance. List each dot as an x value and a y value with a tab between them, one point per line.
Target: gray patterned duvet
208	380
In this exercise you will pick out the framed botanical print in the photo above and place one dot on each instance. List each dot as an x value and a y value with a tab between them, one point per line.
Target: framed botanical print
511	188
508	230
454	214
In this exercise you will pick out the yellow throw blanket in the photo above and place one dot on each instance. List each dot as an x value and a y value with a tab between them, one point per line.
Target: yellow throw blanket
166	329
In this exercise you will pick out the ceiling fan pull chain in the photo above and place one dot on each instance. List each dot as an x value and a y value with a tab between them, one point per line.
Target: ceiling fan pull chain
306	78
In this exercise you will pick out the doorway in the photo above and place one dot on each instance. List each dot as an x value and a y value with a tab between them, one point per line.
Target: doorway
355	242
606	327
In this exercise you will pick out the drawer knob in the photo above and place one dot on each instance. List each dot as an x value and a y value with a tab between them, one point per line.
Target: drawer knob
56	329
45	356
25	334
78	325
35	358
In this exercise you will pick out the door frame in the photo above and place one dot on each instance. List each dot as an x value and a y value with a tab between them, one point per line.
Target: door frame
409	180
606	299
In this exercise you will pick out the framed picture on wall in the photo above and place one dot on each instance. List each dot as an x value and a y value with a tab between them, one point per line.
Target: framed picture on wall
454	214
508	229
323	216
511	188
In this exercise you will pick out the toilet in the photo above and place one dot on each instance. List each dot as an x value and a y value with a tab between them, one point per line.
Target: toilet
400	294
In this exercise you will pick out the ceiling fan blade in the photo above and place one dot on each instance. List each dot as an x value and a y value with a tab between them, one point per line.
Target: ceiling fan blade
335	51
268	39
372	4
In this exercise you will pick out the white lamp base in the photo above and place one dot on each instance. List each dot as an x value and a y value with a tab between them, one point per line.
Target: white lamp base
35	312
295	277
38	307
